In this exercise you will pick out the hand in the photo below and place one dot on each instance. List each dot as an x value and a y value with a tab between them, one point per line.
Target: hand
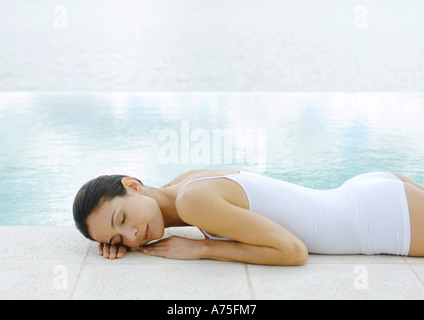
113	251
175	247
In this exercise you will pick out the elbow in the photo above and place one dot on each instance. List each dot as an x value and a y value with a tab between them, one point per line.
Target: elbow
302	258
299	255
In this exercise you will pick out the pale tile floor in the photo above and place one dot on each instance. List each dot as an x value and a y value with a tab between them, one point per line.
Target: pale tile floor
58	263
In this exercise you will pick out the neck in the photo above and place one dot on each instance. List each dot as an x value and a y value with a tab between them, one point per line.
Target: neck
165	197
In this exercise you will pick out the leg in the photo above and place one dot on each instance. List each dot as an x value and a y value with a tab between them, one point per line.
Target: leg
415	196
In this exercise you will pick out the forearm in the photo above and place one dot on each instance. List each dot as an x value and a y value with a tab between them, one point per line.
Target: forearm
176	247
241	252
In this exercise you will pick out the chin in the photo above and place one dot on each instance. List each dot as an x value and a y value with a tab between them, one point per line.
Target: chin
160	234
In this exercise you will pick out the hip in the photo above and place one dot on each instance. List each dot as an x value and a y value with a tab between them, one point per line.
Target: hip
383	213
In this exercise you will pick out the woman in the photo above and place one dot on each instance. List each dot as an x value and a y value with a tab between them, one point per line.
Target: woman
252	218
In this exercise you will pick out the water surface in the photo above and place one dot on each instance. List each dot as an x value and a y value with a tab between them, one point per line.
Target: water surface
52	143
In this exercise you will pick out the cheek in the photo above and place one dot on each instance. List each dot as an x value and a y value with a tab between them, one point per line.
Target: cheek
154	217
151	208
144	210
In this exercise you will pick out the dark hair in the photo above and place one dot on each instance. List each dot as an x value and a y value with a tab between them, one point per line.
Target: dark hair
92	194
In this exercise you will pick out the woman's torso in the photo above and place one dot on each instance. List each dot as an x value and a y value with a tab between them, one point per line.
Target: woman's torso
328	221
235	194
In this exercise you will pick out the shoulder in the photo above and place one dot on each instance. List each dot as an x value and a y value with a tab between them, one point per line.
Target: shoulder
186	176
194	192
196	198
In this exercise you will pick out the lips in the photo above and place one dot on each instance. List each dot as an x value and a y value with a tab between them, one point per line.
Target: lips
147	233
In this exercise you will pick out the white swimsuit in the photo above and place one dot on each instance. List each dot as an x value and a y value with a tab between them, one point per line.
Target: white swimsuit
367	215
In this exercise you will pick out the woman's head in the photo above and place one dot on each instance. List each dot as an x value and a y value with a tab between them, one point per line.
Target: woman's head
115	209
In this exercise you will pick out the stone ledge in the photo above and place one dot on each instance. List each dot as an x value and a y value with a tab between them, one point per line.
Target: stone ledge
58	263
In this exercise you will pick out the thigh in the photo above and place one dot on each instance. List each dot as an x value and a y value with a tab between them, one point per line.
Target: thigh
415	197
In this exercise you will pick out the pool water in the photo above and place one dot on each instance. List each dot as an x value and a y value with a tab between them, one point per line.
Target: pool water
52	143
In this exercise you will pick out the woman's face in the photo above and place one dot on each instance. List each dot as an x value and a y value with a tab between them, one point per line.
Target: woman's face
131	220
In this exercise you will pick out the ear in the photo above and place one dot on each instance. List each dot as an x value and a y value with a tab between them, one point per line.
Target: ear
131	184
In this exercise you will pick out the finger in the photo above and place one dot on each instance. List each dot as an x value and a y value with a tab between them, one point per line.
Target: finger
121	251
149	251
154	250
106	249
100	249
112	252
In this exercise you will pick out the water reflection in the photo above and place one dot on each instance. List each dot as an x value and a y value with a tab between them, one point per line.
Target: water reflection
52	143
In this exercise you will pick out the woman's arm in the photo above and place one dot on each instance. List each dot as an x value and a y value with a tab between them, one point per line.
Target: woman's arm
241	252
257	239
176	247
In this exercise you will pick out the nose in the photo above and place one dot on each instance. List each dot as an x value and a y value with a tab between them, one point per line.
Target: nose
131	234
